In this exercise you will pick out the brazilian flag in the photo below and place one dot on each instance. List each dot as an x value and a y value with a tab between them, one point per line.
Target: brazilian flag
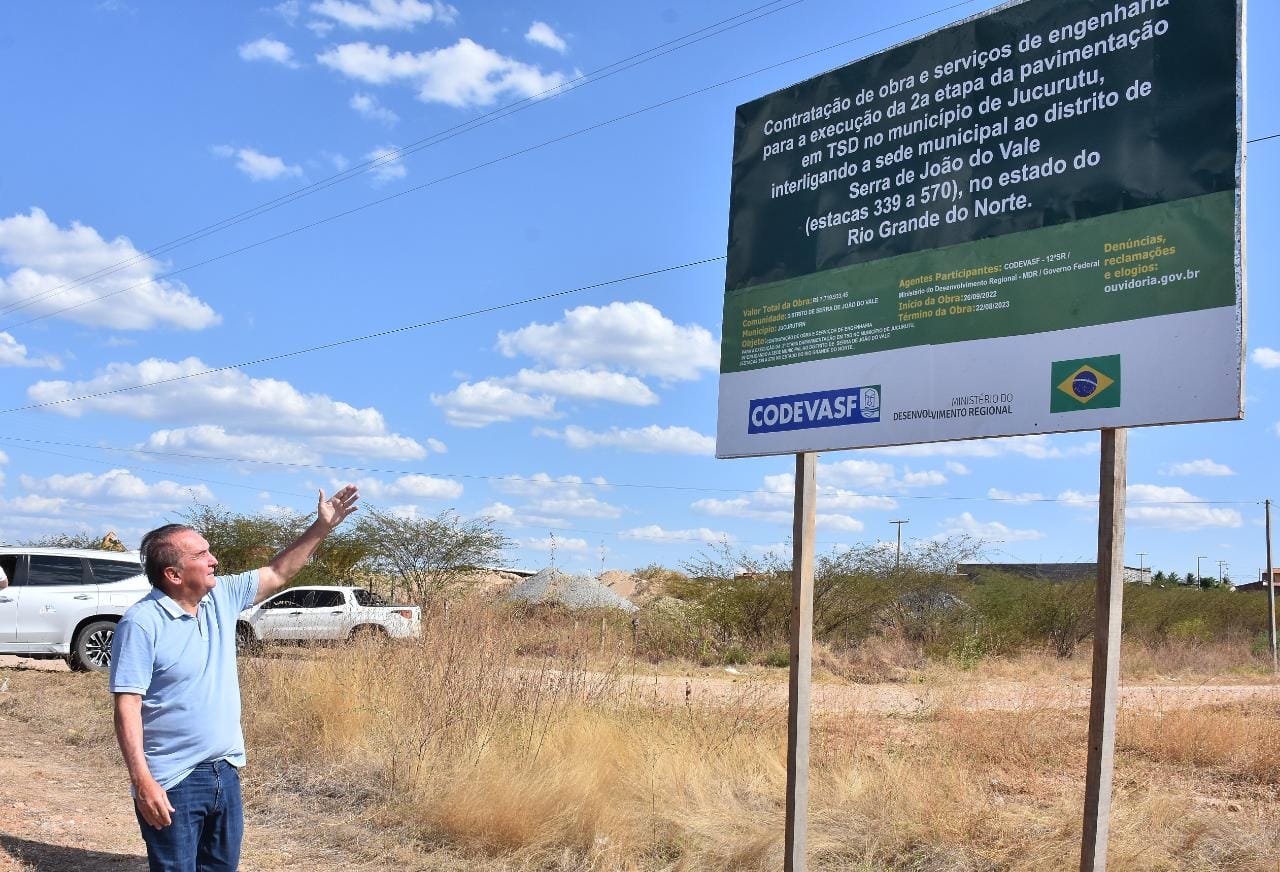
1087	383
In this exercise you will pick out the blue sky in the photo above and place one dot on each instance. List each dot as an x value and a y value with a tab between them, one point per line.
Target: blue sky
590	415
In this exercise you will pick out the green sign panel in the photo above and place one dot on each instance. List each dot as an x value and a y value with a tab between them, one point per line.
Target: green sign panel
962	215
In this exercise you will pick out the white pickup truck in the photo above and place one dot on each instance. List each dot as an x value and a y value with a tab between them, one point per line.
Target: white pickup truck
325	613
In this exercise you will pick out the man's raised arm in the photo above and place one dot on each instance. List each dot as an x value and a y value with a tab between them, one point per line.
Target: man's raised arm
285	565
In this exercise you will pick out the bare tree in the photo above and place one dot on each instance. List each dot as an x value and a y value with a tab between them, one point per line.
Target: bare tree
425	555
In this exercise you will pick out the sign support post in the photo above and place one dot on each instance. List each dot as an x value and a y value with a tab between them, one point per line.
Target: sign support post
801	661
1108	603
1271	598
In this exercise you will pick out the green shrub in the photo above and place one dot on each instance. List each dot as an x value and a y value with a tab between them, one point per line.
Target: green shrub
779	658
669	629
735	655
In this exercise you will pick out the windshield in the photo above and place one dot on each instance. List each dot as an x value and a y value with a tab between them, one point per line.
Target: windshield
368	597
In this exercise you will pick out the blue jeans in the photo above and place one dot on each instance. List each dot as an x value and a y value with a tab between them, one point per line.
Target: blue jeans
208	823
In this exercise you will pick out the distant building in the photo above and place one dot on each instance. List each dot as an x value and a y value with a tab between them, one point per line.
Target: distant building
1261	583
1050	571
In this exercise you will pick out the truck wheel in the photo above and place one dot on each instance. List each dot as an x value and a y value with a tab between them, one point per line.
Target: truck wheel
246	641
367	632
91	648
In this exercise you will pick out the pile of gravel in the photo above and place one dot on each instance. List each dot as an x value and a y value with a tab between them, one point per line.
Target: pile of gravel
572	591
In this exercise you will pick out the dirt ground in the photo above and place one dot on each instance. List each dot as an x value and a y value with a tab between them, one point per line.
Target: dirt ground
64	807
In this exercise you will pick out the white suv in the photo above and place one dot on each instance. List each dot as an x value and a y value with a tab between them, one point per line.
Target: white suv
65	602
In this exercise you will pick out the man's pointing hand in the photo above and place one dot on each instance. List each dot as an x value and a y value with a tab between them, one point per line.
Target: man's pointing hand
335	510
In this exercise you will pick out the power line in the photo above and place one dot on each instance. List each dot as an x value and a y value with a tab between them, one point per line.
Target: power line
393	155
553	483
515	525
493	161
376	335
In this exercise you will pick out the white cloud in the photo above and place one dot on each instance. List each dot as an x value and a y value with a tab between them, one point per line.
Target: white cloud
266	49
14	353
256	165
1035	447
47	257
774	504
478	404
211	440
557	543
1176	509
868	474
922	478
645	440
1076	498
585	384
1267	358
875	475
541	33
289	10
117	485
655	533
835	498
390	446
635	337
437	446
843	523
1008	497
463	74
208	440
1205	467
1171	508
547	497
32	504
242	403
368	106
384	14
387	167
532	394
498	511
414	486
956	468
988	531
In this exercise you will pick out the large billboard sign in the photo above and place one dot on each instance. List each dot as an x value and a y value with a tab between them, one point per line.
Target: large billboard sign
1027	222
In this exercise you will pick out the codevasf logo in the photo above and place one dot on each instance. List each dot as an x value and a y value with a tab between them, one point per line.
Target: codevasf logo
859	405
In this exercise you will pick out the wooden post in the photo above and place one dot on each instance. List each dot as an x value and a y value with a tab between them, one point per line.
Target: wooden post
801	662
1109	600
1271	597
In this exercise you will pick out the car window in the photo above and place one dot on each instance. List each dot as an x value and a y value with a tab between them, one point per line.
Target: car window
368	597
106	571
9	566
327	599
48	569
287	600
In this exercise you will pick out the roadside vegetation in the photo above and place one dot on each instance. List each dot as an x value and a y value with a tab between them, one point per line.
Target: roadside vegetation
512	737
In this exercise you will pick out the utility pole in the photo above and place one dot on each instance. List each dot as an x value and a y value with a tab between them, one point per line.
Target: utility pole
1141	567
1198	559
1221	563
897	564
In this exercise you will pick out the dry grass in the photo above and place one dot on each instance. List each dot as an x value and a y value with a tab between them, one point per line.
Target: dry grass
496	743
542	763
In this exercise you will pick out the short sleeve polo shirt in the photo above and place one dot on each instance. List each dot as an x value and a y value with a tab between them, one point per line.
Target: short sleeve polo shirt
184	667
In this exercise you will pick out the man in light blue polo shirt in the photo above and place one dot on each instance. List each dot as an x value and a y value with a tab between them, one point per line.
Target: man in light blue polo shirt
177	692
